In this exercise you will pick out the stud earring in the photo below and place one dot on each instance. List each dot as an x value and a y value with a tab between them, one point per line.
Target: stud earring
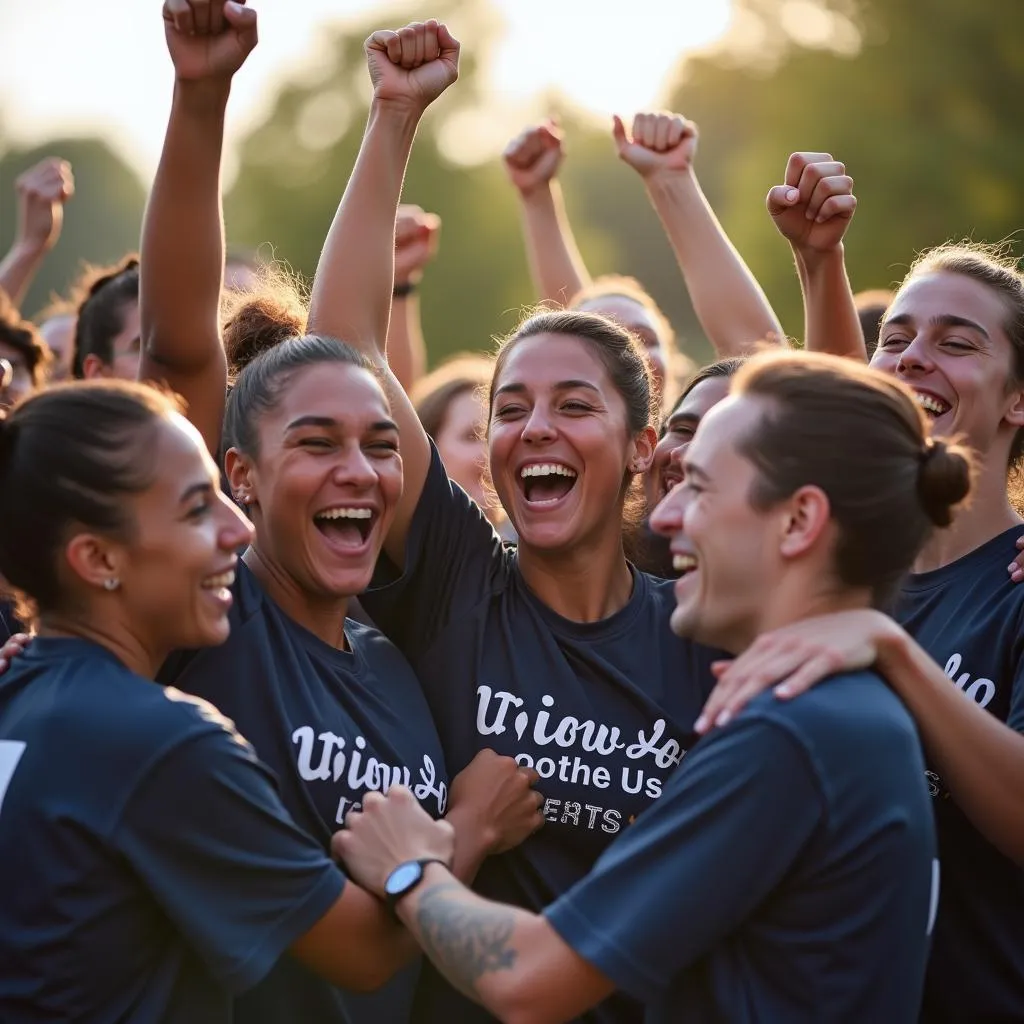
112	583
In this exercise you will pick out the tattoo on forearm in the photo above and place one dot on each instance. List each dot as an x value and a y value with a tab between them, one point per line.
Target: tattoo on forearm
464	940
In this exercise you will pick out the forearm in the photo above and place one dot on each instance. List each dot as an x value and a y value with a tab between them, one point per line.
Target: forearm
18	269
182	252
407	351
980	760
486	950
831	323
351	297
556	266
472	844
732	309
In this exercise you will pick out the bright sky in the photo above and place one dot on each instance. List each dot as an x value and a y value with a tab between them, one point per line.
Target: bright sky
78	68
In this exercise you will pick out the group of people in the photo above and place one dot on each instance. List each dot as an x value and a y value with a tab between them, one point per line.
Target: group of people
566	682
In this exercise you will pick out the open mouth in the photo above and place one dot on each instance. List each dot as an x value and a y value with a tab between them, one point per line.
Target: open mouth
668	480
219	587
546	483
346	526
932	404
684	564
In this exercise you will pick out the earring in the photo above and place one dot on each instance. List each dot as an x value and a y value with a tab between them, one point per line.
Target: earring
111	583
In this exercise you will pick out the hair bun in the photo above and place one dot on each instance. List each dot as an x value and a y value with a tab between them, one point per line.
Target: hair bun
943	479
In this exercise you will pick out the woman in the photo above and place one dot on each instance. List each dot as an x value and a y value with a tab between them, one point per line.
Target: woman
158	872
313	456
25	353
954	335
560	654
451	406
107	323
788	872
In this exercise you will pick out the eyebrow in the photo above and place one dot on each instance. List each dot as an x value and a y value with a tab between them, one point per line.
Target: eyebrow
944	320
692	469
562	385
204	487
329	421
681	417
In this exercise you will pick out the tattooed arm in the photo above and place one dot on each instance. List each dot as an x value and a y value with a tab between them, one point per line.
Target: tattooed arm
511	961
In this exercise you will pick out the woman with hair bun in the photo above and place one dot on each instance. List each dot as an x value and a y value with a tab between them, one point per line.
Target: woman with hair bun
953	334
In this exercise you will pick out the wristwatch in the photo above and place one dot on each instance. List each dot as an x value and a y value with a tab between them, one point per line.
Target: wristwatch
405	878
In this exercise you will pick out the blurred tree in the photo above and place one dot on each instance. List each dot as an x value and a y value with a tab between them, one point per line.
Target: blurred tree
101	221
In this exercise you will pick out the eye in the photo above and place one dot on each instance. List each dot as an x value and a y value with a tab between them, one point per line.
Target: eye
507	412
198	511
893	341
315	442
681	430
690	487
575	406
382	447
958	344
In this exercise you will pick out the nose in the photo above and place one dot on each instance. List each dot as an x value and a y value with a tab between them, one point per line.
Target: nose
667	518
354	468
538	427
914	357
236	531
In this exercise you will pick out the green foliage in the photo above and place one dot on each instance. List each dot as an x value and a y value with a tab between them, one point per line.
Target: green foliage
101	222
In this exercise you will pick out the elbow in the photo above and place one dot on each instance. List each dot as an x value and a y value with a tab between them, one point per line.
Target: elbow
520	1000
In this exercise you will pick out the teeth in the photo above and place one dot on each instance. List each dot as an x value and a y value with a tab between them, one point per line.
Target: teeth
345	513
547	469
683	563
930	404
224	581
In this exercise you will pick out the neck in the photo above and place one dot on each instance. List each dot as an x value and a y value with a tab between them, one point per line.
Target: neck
794	600
988	515
323	617
115	637
584	585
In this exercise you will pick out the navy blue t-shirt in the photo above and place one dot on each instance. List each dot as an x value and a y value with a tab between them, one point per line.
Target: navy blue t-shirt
9	623
601	710
969	616
332	725
786	875
149	869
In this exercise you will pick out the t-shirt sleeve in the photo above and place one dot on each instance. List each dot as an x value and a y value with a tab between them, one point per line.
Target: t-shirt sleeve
206	832
453	559
727	828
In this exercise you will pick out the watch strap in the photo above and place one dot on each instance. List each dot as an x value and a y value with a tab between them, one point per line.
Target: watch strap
391	899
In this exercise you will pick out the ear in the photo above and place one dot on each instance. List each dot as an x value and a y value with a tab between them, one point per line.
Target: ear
643	450
95	560
1014	414
805	518
241	476
93	367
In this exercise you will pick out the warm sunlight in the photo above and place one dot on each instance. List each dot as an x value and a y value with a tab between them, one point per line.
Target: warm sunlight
606	55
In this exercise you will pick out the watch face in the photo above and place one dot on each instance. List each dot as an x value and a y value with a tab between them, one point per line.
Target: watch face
402	877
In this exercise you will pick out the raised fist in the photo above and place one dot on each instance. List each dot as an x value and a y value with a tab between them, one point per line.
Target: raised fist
533	157
416	237
813	209
660	143
208	38
413	66
42	192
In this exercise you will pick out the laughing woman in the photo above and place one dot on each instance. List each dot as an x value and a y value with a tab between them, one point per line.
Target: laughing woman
558	654
955	334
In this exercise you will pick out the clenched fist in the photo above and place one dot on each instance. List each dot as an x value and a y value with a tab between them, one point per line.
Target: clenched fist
814	207
660	143
208	39
42	192
533	157
416	238
413	66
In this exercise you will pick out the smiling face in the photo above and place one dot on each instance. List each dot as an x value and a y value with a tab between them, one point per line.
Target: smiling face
324	486
667	468
559	444
639	321
177	566
944	337
726	550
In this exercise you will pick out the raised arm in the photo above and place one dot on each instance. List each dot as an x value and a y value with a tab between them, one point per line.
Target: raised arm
416	237
812	211
355	277
532	160
182	253
732	309
42	192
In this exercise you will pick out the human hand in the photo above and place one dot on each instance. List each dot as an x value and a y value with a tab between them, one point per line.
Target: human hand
416	239
413	66
42	192
208	39
659	144
814	207
533	157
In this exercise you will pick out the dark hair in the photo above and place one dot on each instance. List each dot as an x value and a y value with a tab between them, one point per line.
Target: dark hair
433	394
24	337
721	368
105	292
617	286
858	435
995	267
871	307
259	385
68	456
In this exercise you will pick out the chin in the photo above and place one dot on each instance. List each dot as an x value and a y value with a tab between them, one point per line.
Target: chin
345	583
